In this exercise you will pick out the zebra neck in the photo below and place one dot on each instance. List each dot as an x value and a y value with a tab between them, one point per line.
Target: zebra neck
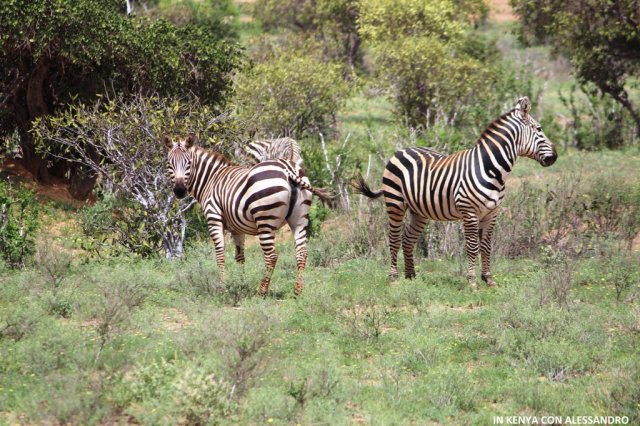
204	166
497	157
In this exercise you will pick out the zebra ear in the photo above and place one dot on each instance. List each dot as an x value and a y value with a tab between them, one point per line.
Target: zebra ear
190	140
525	105
167	141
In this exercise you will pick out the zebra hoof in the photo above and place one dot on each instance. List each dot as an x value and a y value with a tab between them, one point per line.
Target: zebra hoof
490	282
393	278
263	290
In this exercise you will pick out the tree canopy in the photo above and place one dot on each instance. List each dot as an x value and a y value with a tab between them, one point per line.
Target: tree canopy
600	38
333	22
426	56
57	51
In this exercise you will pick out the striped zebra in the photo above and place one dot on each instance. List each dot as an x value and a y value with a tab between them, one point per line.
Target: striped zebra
272	149
468	185
254	200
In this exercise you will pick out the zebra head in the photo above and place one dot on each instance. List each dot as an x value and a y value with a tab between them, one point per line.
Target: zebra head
180	157
533	142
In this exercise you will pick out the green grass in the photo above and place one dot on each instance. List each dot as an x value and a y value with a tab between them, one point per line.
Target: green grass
351	348
124	340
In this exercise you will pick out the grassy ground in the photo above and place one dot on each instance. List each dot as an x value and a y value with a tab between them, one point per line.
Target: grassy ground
353	347
150	341
122	340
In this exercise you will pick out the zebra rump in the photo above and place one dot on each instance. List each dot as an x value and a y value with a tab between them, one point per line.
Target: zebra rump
255	200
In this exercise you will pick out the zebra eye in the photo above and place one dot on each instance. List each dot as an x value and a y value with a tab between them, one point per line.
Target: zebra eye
538	128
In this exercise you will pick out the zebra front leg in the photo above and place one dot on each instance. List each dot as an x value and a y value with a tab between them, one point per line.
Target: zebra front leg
412	231
238	240
216	231
471	246
486	234
267	240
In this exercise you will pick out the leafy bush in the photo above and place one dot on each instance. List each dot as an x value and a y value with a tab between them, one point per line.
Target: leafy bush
18	223
216	17
436	71
201	398
333	23
117	140
291	95
596	120
81	47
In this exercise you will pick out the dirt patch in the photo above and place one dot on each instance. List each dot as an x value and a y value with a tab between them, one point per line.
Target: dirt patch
57	190
501	11
174	319
635	244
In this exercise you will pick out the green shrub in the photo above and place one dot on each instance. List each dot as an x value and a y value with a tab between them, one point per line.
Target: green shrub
291	95
139	213
597	121
18	223
436	69
148	381
333	23
200	398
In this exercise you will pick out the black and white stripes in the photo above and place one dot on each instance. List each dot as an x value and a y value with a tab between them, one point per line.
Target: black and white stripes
254	200
468	185
273	149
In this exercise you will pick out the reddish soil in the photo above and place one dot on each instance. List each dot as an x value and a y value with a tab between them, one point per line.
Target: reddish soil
500	11
57	190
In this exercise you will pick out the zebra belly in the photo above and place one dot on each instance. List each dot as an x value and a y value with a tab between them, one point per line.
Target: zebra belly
260	210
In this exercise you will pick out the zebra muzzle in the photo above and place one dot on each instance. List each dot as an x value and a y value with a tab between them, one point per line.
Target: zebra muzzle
548	160
180	190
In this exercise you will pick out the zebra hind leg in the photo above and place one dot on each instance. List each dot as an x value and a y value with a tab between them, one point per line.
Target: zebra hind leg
485	234
412	232
299	224
267	243
238	240
396	223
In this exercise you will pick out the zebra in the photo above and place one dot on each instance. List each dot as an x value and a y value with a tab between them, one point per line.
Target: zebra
468	185
272	149
254	200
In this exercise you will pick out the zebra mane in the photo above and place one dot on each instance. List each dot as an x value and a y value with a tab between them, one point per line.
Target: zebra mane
210	153
502	117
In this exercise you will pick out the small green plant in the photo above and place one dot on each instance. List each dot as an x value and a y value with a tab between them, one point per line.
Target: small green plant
18	223
117	300
317	214
148	381
559	274
623	273
54	265
201	398
367	320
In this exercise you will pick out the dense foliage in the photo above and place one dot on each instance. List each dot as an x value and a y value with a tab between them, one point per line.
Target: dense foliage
434	67
599	37
290	95
56	52
331	22
117	141
19	221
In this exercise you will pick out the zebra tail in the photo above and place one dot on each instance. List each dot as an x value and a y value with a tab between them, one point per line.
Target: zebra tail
326	196
363	188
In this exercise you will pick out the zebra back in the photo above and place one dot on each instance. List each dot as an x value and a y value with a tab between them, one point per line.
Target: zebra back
273	149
